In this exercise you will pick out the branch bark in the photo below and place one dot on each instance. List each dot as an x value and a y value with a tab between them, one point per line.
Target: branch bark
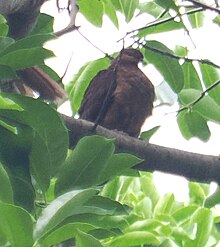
196	167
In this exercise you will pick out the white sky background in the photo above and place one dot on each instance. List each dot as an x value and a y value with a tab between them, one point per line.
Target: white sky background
106	39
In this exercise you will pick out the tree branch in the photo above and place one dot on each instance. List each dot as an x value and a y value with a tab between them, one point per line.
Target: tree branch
197	167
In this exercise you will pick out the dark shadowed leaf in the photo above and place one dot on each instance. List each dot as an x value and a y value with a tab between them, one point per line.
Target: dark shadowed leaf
6	193
44	24
5	42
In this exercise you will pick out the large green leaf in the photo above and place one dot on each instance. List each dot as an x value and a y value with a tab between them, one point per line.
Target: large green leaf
164	27
110	11
207	107
92	10
197	19
6	193
82	79
192	124
151	8
117	164
49	140
128	8
6	73
44	24
24	58
210	75
16	225
203	219
85	164
191	77
29	42
61	208
168	67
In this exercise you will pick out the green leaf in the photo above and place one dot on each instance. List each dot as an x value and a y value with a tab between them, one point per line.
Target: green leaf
168	4
44	24
117	164
83	169
135	238
3	26
65	232
217	20
7	73
165	27
5	42
210	75
16	225
24	58
197	19
168	67
192	124
49	140
207	107
82	79
184	214
83	239
203	219
198	192
17	163
60	209
191	77
165	204
6	193
128	8
213	199
6	103
110	11
151	8
29	42
146	135
92	10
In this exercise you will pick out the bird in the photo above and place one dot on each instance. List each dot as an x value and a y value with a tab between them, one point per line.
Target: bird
120	97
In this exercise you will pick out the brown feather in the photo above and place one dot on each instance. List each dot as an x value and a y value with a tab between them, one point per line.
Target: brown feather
131	97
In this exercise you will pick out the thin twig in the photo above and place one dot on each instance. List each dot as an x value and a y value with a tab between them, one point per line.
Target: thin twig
106	54
200	97
190	60
204	6
159	22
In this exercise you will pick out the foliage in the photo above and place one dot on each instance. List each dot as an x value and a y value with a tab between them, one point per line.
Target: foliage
90	194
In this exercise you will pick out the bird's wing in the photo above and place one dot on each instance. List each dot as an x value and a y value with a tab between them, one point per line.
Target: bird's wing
98	95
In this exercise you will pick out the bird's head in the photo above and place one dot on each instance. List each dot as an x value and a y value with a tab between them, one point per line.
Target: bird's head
130	56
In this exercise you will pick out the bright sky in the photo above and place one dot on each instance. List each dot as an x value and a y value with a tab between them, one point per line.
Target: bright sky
106	39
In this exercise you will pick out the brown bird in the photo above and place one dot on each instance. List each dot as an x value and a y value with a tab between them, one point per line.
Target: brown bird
120	97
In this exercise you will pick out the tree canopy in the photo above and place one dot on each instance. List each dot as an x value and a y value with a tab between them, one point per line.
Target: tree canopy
59	182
